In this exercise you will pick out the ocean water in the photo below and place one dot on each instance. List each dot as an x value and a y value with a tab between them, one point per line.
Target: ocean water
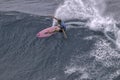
91	51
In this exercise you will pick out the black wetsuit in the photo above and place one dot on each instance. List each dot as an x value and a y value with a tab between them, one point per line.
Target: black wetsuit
62	26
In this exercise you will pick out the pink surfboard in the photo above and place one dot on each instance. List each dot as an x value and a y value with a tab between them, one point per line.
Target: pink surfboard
47	32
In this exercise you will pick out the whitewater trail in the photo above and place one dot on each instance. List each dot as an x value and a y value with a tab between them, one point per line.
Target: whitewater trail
91	10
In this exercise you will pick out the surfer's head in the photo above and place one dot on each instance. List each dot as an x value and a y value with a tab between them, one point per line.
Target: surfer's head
59	21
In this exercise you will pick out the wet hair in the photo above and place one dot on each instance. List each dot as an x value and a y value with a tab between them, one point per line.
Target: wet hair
59	21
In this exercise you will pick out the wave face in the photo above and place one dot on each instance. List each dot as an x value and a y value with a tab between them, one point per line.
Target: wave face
91	51
37	7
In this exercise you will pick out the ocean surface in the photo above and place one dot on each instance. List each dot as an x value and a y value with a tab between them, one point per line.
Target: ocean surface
91	51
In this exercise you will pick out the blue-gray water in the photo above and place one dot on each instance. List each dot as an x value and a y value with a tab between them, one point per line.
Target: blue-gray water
87	54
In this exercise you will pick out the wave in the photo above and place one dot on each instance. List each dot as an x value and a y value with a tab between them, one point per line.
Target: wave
91	11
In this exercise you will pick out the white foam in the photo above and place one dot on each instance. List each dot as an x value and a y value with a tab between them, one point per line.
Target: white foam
89	37
52	79
71	9
114	75
70	70
91	10
105	54
73	69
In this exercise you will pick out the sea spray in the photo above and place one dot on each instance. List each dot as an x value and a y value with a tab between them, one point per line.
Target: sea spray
92	11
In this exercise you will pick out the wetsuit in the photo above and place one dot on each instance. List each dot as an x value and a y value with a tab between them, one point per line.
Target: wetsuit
62	26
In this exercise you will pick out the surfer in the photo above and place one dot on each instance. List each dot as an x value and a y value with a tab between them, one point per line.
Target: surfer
62	26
